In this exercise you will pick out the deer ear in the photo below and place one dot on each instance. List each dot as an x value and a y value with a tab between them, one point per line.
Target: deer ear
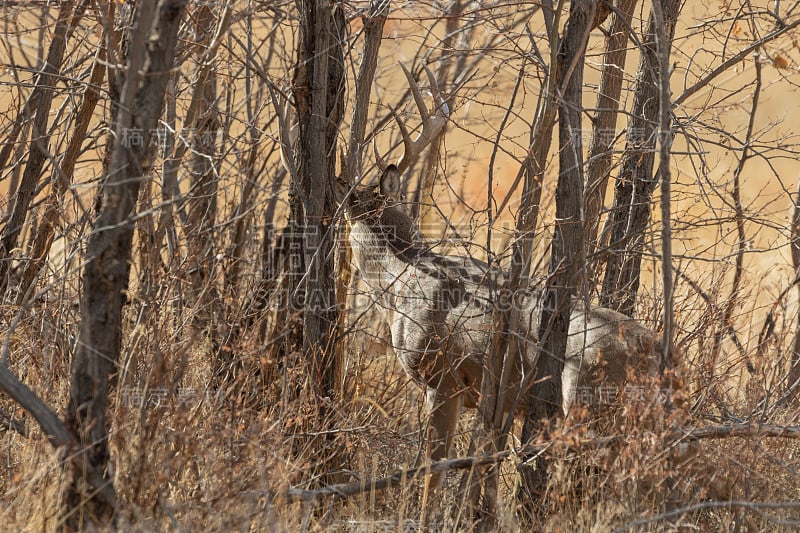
390	183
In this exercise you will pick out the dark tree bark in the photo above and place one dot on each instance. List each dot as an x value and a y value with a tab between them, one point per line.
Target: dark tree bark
633	194
40	101
544	399
794	371
202	201
319	101
105	276
604	123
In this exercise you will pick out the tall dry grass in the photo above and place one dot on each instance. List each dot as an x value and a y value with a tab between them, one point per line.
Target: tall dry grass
187	457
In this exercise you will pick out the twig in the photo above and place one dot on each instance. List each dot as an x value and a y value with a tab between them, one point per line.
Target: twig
733	61
707	298
10	423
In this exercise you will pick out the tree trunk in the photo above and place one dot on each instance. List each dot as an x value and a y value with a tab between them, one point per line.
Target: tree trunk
630	214
202	293
507	343
319	99
604	123
544	400
373	32
794	371
105	276
202	201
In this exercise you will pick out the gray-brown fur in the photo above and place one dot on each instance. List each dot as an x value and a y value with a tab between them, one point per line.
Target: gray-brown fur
440	314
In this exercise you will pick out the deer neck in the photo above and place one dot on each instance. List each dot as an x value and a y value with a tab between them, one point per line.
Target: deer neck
385	246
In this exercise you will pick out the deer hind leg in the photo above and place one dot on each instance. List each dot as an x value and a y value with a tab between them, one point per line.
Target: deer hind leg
443	409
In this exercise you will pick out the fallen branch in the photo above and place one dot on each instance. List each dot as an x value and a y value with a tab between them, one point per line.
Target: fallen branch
350	489
737	430
526	453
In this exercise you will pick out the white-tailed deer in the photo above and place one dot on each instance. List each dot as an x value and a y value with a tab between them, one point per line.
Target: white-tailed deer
439	307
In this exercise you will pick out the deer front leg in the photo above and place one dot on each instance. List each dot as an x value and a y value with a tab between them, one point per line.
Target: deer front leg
443	409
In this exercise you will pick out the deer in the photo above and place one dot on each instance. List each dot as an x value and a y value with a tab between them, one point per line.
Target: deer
439	307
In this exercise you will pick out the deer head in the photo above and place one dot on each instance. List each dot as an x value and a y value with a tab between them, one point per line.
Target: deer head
378	208
378	220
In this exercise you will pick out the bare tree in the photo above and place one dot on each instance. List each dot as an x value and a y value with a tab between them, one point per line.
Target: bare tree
203	183
507	344
318	88
62	177
105	277
567	248
374	22
40	101
634	188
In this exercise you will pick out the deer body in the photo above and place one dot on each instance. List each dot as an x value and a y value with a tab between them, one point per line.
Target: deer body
434	304
439	309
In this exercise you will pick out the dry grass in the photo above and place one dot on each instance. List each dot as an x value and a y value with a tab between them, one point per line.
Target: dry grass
186	457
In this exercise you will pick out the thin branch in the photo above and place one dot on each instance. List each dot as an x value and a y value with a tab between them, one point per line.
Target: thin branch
739	218
53	427
526	453
734	60
373	31
753	506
